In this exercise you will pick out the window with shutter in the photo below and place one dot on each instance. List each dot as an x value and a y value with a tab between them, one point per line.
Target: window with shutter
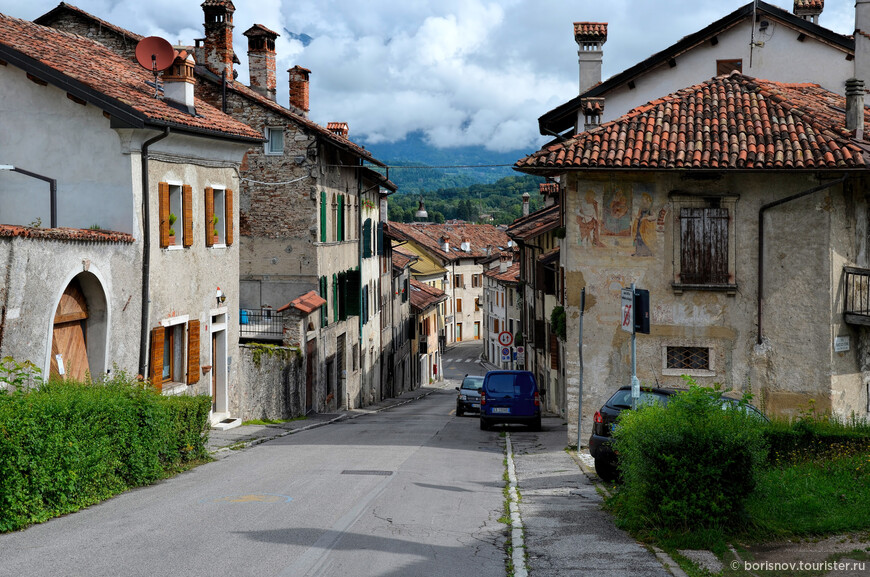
365	304
704	243
324	311
554	351
353	293
342	296
187	214
540	334
228	217
340	217
157	349
335	314
380	238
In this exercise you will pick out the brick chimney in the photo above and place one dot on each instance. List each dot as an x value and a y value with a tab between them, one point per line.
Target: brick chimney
809	9
299	89
218	49
261	60
179	81
590	37
338	128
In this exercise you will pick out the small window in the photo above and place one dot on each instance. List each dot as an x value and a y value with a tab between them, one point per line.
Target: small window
458	281
275	141
219	224
728	66
176	210
459	305
688	360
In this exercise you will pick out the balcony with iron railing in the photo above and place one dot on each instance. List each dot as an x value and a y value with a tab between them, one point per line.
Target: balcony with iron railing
262	324
856	309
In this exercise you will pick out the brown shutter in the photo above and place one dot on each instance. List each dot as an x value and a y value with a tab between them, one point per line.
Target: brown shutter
192	352
209	215
228	217
157	334
187	213
554	351
163	212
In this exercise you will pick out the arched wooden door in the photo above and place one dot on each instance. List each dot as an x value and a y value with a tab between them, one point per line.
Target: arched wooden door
68	339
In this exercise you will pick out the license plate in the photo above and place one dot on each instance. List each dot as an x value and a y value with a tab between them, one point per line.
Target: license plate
501	410
475	405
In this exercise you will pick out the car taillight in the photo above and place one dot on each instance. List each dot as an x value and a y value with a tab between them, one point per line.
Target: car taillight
537	399
598	418
482	398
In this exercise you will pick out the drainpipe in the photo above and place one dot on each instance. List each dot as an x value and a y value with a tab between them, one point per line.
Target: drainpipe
146	253
761	239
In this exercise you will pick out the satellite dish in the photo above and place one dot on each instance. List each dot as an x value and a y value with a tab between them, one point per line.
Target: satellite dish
155	54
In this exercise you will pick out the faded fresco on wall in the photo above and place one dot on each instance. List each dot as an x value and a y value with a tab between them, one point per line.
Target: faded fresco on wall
643	224
589	216
617	211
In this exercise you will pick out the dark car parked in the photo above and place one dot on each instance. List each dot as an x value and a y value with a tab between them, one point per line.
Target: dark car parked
468	400
602	425
510	397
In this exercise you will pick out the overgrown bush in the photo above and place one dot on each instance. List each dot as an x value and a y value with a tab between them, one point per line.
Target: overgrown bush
66	445
815	436
688	465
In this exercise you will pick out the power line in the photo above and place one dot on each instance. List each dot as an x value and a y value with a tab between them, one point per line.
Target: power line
424	166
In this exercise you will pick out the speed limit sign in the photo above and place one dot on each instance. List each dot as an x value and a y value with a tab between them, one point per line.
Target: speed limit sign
505	339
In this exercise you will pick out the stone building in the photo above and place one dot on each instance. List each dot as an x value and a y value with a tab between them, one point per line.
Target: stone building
403	326
121	265
501	309
426	315
741	205
309	206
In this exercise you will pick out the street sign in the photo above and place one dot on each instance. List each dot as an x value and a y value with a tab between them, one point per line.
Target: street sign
506	354
521	356
627	315
505	339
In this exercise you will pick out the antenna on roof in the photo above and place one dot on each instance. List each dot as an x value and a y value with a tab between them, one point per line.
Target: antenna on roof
155	54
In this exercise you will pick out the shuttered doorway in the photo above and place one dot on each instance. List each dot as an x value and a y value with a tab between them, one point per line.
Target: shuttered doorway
69	335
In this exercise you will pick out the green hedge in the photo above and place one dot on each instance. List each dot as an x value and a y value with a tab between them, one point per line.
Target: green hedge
67	445
812	436
688	465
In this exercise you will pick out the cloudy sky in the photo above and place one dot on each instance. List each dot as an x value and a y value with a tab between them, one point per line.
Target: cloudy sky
464	72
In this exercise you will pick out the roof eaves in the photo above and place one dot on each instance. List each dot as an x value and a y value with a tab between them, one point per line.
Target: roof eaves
127	114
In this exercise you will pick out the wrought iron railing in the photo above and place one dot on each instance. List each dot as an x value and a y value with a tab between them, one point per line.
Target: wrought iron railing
261	324
856	307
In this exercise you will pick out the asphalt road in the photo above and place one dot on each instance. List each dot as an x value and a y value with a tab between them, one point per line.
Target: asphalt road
409	491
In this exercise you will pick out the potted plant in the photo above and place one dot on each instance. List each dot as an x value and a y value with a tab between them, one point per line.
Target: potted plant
172	219
214	222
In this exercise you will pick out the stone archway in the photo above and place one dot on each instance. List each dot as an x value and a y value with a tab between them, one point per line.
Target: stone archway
78	337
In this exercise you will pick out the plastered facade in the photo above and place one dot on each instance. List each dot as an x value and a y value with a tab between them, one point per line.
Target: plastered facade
806	244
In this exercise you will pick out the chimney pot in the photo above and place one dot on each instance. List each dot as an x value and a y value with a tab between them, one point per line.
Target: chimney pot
526	197
338	128
261	60
809	9
179	81
855	107
590	37
218	44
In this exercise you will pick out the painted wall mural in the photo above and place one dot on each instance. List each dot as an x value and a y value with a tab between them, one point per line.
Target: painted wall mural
626	212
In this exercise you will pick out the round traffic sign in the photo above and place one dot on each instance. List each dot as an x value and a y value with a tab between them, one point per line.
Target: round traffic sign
505	339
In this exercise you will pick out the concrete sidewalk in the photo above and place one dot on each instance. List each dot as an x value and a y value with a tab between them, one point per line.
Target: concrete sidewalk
222	443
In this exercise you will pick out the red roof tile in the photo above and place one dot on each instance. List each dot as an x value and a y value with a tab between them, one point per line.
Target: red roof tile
809	5
535	224
590	31
424	296
402	259
103	71
307	303
66	234
511	275
483	239
63	6
728	122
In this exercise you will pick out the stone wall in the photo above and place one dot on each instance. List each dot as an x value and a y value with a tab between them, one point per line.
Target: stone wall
270	383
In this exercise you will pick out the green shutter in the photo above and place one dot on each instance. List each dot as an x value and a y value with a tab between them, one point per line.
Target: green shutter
342	296
380	238
322	217
365	304
324	310
340	217
335	297
367	238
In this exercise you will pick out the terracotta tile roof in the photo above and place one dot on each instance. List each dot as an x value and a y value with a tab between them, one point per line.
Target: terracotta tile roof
728	122
590	31
401	259
307	303
259	30
510	276
424	296
204	74
66	234
549	256
484	239
536	224
548	188
77	64
64	7
809	5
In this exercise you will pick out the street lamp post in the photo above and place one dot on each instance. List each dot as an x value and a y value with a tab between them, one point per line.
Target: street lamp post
52	183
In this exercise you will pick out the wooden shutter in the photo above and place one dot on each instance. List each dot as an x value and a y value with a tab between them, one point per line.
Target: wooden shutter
380	238
323	216
716	229
192	352
335	313
228	216
187	214
163	212
209	216
340	217
342	296
157	335
324	311
353	292
704	245
367	238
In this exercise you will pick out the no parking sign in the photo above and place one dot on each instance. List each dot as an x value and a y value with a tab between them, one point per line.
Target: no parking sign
506	354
